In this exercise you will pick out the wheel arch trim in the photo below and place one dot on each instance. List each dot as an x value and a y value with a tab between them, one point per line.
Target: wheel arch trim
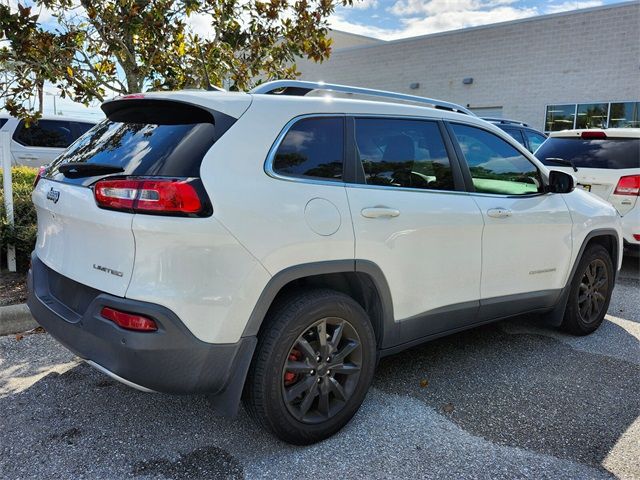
298	272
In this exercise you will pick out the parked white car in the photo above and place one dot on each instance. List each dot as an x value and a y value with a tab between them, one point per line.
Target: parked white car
40	143
278	245
606	162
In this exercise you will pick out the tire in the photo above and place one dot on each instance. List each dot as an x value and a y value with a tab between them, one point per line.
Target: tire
590	292
321	408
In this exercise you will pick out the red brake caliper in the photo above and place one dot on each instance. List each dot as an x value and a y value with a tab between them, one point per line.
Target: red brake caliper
290	377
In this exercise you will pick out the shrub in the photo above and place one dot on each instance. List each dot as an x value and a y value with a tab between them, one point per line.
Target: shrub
23	233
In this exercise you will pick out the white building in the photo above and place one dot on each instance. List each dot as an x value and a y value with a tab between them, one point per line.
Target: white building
572	69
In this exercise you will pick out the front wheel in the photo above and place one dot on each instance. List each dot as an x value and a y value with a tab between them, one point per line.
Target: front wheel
590	292
312	368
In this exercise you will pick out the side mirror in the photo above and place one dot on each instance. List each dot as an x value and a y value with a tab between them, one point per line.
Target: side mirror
560	182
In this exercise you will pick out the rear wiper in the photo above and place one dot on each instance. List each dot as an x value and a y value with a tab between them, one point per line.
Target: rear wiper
78	170
562	161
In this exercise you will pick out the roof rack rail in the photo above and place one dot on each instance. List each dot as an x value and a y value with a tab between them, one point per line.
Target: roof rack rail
505	120
301	88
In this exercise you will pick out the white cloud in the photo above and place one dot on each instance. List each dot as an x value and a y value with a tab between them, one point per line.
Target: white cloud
364	4
418	17
566	6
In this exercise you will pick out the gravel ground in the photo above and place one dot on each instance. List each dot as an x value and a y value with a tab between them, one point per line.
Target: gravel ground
510	400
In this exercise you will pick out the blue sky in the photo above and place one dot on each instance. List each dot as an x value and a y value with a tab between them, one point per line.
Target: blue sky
392	19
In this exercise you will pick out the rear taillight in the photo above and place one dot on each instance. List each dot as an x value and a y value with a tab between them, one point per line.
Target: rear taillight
129	321
629	185
637	236
172	196
41	171
593	135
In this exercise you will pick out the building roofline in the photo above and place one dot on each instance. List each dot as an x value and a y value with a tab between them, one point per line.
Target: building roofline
357	35
492	25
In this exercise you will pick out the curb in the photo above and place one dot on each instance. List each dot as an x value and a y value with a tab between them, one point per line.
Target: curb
16	319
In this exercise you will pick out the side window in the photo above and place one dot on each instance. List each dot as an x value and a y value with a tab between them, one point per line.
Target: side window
496	167
2	122
403	153
517	134
313	147
535	140
80	128
45	133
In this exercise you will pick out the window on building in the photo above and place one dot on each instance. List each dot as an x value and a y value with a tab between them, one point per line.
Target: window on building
559	117
403	153
313	147
591	115
495	166
624	115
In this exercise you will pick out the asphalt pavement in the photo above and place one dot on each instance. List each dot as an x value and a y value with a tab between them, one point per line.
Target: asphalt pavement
508	400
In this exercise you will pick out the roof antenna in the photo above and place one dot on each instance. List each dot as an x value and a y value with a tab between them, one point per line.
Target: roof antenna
210	87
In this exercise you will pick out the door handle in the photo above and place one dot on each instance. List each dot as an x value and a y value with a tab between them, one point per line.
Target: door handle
499	212
27	157
379	212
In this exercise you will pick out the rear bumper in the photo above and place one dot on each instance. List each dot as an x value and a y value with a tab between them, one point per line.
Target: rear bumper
631	226
169	360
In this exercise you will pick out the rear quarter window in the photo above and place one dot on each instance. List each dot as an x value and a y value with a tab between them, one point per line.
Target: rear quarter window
610	153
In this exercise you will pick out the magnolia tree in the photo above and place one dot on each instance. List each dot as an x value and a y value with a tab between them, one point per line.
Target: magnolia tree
91	50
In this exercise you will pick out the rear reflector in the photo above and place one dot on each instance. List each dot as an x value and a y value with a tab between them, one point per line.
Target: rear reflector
153	195
129	321
41	171
629	185
590	135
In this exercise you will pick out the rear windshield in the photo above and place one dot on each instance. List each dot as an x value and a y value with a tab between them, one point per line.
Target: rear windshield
140	149
613	153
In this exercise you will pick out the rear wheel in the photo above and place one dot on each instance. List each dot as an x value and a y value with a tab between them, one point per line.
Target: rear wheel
590	292
313	366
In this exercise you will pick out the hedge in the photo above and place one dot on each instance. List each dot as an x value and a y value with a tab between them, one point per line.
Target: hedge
23	233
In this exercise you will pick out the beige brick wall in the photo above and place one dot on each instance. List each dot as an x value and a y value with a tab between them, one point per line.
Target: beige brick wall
578	57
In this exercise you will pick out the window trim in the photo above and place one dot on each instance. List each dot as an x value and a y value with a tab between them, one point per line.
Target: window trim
268	164
467	172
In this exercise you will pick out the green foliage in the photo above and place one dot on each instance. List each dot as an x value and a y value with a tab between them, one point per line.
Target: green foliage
23	233
105	47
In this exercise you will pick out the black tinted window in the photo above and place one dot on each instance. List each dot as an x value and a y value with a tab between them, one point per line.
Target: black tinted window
515	133
45	133
606	153
81	128
141	149
403	153
2	122
313	147
535	139
496	166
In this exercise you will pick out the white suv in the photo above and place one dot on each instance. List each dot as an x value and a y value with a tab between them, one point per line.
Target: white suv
273	246
41	142
605	163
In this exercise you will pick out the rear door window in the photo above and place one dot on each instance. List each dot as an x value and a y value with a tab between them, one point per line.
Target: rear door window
312	148
45	133
610	153
2	122
403	153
